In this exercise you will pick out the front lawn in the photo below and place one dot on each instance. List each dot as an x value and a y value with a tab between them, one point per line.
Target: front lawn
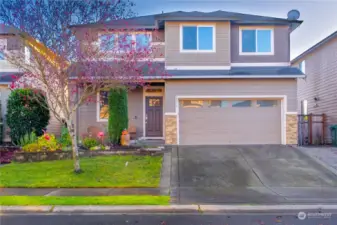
103	171
83	200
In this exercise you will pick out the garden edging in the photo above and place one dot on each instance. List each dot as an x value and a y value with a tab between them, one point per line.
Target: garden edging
60	155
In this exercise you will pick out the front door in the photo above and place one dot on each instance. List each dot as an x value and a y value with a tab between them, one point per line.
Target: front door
154	116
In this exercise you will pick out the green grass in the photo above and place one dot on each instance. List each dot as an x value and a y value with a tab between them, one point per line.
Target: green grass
80	200
104	171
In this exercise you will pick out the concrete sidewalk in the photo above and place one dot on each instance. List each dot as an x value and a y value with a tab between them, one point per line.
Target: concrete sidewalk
81	191
170	209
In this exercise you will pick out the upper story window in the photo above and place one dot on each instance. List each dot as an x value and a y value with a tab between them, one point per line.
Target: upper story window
197	38
302	66
256	41
125	42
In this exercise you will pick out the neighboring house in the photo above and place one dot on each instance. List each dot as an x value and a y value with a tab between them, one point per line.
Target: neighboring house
10	43
230	79
317	93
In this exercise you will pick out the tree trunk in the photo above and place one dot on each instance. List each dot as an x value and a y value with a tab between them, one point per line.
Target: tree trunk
76	158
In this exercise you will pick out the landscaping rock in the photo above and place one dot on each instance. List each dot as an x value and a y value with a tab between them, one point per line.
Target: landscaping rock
60	155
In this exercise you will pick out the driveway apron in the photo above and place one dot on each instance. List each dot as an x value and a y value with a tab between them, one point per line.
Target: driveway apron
267	174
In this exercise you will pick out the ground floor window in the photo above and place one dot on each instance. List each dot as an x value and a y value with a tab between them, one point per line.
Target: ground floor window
103	107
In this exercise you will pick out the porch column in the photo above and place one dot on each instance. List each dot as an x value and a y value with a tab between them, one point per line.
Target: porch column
291	129
170	129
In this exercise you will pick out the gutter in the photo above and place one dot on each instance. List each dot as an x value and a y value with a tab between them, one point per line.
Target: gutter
229	76
218	77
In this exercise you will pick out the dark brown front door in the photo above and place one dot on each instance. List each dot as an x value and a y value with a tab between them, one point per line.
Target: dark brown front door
154	117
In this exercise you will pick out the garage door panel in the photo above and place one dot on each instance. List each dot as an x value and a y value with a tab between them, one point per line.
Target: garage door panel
241	125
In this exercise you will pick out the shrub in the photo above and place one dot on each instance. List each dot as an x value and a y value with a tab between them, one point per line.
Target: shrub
28	138
118	114
48	142
32	147
65	139
90	142
27	111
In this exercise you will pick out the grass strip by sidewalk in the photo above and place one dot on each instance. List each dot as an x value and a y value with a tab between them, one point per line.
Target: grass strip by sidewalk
102	171
85	200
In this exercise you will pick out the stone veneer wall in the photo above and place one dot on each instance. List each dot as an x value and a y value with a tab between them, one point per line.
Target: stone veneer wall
291	129
171	129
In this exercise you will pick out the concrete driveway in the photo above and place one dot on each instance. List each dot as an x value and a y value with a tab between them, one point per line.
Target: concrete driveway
249	174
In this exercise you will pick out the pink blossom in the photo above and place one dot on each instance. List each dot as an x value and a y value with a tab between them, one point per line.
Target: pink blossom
100	134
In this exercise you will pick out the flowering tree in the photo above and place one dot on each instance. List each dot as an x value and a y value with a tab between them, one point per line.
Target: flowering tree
71	64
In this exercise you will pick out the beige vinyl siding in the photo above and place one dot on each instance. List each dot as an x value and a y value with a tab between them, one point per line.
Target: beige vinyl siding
321	82
221	57
231	87
54	126
87	114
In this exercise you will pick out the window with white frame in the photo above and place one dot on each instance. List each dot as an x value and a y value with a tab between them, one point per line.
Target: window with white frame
256	41
125	41
103	106
197	38
302	66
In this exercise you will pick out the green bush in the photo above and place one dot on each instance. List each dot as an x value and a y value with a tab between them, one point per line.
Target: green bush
118	114
32	147
27	111
28	138
48	142
90	142
65	139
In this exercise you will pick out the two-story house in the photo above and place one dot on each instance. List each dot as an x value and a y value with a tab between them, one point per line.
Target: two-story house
317	94
230	79
10	43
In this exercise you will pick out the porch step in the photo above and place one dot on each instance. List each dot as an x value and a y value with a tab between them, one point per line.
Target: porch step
149	142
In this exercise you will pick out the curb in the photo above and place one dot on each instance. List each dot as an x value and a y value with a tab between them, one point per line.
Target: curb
37	209
165	209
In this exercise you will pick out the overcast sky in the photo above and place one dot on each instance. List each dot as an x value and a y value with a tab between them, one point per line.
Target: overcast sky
320	16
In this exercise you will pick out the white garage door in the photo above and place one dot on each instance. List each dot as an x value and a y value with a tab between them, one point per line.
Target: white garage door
230	121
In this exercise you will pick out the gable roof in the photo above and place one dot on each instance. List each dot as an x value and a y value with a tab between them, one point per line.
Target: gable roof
316	46
157	20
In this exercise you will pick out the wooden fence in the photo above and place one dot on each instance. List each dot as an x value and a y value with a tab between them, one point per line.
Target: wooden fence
311	129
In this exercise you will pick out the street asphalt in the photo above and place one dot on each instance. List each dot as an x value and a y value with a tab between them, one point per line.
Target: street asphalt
166	219
255	174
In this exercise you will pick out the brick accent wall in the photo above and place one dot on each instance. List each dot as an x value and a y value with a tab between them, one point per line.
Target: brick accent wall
291	129
170	129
